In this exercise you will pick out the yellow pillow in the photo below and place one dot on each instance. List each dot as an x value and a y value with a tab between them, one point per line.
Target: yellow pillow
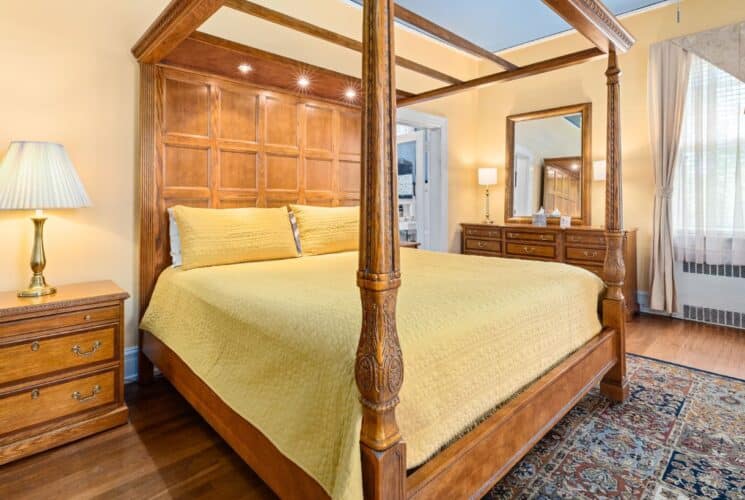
212	237
327	230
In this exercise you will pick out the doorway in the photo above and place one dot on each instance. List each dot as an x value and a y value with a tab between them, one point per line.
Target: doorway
422	179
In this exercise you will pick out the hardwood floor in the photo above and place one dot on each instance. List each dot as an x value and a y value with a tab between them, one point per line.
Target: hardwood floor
706	347
168	451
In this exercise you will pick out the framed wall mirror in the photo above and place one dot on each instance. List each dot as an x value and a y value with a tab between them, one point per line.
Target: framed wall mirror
548	164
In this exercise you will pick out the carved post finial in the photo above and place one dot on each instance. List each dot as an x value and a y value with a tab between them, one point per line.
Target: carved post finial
379	363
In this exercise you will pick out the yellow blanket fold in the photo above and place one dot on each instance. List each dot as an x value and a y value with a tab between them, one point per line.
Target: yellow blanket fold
276	341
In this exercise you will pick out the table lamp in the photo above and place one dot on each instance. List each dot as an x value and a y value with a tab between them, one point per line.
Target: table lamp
487	177
35	176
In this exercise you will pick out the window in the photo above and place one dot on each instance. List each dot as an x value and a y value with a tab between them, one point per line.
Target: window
709	188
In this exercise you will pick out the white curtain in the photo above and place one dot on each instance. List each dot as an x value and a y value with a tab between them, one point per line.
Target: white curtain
709	208
669	68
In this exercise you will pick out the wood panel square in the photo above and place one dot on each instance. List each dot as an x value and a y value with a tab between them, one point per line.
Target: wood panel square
349	176
186	167
281	122
187	108
281	172
318	128
239	116
318	174
237	202
238	170
351	133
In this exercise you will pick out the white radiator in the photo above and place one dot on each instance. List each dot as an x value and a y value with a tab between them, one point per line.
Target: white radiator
711	294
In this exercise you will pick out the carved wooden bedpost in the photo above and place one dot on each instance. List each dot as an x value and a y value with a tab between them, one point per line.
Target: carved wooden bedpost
379	365
615	384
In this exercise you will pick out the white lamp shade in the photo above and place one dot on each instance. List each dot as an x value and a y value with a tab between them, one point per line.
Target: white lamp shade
38	175
598	170
487	176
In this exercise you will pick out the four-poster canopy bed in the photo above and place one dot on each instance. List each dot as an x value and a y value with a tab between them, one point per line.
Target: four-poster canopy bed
174	59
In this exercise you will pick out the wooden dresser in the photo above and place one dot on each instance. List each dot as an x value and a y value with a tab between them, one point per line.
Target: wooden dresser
61	367
580	246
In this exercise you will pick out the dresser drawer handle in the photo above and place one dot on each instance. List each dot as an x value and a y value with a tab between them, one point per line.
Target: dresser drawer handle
35	394
87	317
528	249
587	253
545	237
35	346
79	397
76	349
512	235
493	234
482	244
575	239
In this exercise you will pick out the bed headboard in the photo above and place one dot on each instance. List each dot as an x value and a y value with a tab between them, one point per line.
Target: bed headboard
210	142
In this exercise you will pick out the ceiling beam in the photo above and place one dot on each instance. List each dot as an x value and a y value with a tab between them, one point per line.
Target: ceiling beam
178	20
449	37
522	72
281	19
595	22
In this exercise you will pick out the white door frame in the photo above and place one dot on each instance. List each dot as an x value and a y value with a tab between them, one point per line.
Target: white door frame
436	154
421	191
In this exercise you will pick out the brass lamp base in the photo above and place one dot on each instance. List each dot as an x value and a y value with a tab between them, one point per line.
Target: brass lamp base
38	286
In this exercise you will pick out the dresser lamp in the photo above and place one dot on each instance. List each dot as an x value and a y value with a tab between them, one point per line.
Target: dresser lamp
487	177
38	176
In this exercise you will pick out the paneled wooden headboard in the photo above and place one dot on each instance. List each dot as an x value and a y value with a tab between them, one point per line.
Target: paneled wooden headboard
210	142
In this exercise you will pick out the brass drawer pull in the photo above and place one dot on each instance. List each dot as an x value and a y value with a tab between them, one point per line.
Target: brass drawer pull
87	317
493	234
528	249
482	244
35	394
79	397
545	237
587	253
35	346
512	235
76	349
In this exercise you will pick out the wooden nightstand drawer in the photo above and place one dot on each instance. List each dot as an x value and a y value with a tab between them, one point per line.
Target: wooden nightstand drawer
529	250
483	233
590	254
57	321
530	236
33	358
37	405
483	245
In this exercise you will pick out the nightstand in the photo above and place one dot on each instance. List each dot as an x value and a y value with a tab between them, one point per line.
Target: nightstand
61	367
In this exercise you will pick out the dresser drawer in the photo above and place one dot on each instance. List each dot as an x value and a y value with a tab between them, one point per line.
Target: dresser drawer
42	404
64	320
530	236
39	357
595	239
483	233
530	250
590	254
483	245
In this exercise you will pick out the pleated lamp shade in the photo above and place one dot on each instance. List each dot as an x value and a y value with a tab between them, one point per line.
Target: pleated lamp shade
39	175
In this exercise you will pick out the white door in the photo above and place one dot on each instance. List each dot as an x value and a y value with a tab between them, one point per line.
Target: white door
413	189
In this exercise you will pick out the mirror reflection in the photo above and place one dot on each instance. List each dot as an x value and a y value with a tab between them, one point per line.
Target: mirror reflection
547	165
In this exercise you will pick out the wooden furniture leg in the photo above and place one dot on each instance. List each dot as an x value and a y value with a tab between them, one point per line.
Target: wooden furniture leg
614	385
379	364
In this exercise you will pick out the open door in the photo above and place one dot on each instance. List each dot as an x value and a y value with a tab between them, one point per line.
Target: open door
413	189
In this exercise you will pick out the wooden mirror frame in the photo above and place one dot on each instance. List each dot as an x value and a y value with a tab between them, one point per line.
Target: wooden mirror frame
585	187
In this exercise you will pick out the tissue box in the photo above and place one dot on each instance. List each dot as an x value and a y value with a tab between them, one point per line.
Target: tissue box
539	220
565	221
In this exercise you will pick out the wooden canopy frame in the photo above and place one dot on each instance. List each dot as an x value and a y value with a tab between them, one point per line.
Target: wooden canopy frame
474	463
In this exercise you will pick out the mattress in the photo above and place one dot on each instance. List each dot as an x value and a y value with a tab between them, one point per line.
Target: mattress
276	342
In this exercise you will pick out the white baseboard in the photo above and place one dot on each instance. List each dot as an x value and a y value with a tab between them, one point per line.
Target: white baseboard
130	364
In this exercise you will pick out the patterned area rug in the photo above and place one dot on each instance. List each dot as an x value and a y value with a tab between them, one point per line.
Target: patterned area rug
681	434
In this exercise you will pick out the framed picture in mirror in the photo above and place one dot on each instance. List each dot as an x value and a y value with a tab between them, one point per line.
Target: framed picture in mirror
548	165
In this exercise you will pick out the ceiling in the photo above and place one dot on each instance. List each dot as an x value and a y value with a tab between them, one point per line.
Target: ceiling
500	24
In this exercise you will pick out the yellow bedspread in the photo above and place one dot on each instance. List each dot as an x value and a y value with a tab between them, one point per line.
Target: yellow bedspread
276	341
